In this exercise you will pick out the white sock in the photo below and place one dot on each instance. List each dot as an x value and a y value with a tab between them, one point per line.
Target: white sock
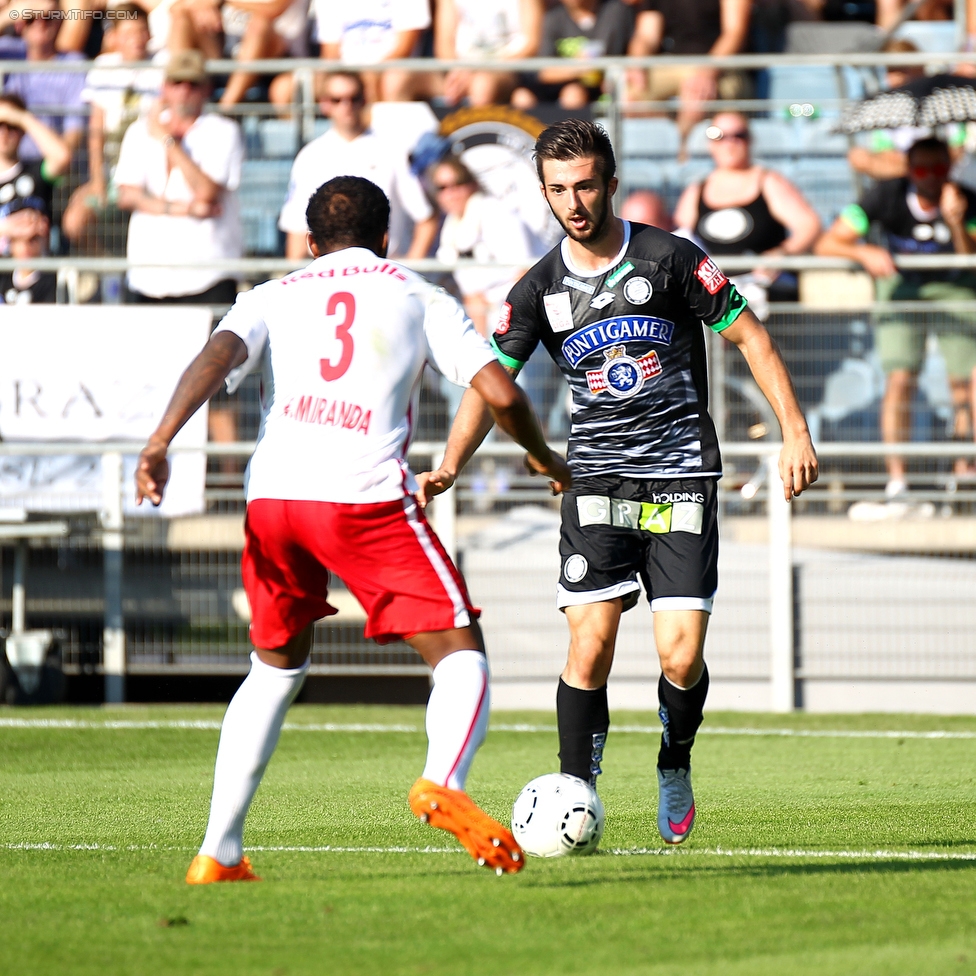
248	736
457	717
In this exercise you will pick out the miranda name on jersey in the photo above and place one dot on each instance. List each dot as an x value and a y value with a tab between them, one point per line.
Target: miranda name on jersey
329	413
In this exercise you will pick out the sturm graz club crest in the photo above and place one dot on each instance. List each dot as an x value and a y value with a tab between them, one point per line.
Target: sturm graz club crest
621	375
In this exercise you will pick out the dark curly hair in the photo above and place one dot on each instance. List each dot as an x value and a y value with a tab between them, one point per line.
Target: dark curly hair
348	211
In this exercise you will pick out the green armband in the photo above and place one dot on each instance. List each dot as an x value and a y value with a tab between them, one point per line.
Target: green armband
502	358
732	311
854	216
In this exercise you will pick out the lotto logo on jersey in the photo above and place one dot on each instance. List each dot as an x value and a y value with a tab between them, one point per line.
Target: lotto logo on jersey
504	319
711	276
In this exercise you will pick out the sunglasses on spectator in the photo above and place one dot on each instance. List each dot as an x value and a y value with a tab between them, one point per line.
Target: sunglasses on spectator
441	187
940	170
339	99
715	134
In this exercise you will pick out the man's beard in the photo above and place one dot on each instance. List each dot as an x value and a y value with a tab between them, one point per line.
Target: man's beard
598	228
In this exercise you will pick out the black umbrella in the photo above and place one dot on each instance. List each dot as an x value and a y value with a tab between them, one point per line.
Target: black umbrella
930	101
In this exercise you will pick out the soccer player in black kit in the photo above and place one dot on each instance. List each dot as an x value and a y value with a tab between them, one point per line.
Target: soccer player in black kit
620	307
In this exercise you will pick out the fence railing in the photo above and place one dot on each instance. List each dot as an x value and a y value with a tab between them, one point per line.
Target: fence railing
187	569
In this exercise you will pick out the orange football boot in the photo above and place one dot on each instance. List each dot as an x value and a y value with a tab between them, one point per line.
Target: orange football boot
485	839
205	870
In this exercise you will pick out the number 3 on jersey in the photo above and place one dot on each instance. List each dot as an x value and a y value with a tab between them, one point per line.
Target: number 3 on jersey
329	370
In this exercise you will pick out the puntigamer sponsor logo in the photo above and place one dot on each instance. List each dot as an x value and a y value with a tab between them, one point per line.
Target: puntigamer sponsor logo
608	332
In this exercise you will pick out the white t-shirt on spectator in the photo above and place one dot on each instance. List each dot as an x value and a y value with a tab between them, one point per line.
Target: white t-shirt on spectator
366	31
487	28
342	345
487	232
368	156
214	144
117	90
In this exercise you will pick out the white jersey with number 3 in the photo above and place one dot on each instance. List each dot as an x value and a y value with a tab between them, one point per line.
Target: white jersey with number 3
342	346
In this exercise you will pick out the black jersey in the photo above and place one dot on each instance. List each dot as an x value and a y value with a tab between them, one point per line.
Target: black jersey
629	341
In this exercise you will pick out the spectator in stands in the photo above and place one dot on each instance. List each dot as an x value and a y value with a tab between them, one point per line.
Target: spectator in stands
349	148
178	172
576	29
371	32
243	29
922	213
716	27
33	178
477	30
744	208
117	98
28	230
42	88
646	207
885	158
477	226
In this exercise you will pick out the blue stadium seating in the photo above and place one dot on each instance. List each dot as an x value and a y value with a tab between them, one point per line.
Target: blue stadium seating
264	183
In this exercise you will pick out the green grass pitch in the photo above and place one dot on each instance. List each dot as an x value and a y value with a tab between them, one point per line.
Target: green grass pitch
813	854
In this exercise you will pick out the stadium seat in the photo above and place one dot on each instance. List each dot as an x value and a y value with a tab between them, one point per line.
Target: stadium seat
816	137
773	137
278	138
934	36
650	137
264	183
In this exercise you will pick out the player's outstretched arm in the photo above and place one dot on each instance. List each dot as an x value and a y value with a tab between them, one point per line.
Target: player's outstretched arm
493	396
197	385
798	465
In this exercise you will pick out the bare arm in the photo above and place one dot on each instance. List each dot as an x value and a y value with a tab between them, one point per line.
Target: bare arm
531	14
493	396
798	466
424	235
268	9
890	164
735	27
788	205
96	147
136	199
445	30
201	380
686	212
54	149
842	241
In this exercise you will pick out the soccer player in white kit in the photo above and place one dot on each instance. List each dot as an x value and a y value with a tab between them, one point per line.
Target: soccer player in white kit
342	347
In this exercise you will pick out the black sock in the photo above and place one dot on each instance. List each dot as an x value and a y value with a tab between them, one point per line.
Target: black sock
583	718
681	714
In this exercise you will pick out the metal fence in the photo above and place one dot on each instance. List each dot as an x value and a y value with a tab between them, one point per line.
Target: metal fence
814	610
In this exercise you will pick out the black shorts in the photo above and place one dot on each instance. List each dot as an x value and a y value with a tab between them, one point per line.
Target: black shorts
615	531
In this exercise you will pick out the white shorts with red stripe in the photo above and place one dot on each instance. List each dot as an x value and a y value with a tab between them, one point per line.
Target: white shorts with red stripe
385	552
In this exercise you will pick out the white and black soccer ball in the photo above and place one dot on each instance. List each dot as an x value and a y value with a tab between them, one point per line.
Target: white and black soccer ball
558	814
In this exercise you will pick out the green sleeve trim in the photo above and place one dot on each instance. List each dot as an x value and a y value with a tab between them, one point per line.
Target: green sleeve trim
53	180
737	304
854	216
503	359
971	226
881	141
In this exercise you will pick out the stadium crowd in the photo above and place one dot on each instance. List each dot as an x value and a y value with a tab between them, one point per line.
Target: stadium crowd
151	159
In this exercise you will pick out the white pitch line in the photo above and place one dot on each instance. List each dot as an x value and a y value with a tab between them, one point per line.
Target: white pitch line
749	852
213	725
